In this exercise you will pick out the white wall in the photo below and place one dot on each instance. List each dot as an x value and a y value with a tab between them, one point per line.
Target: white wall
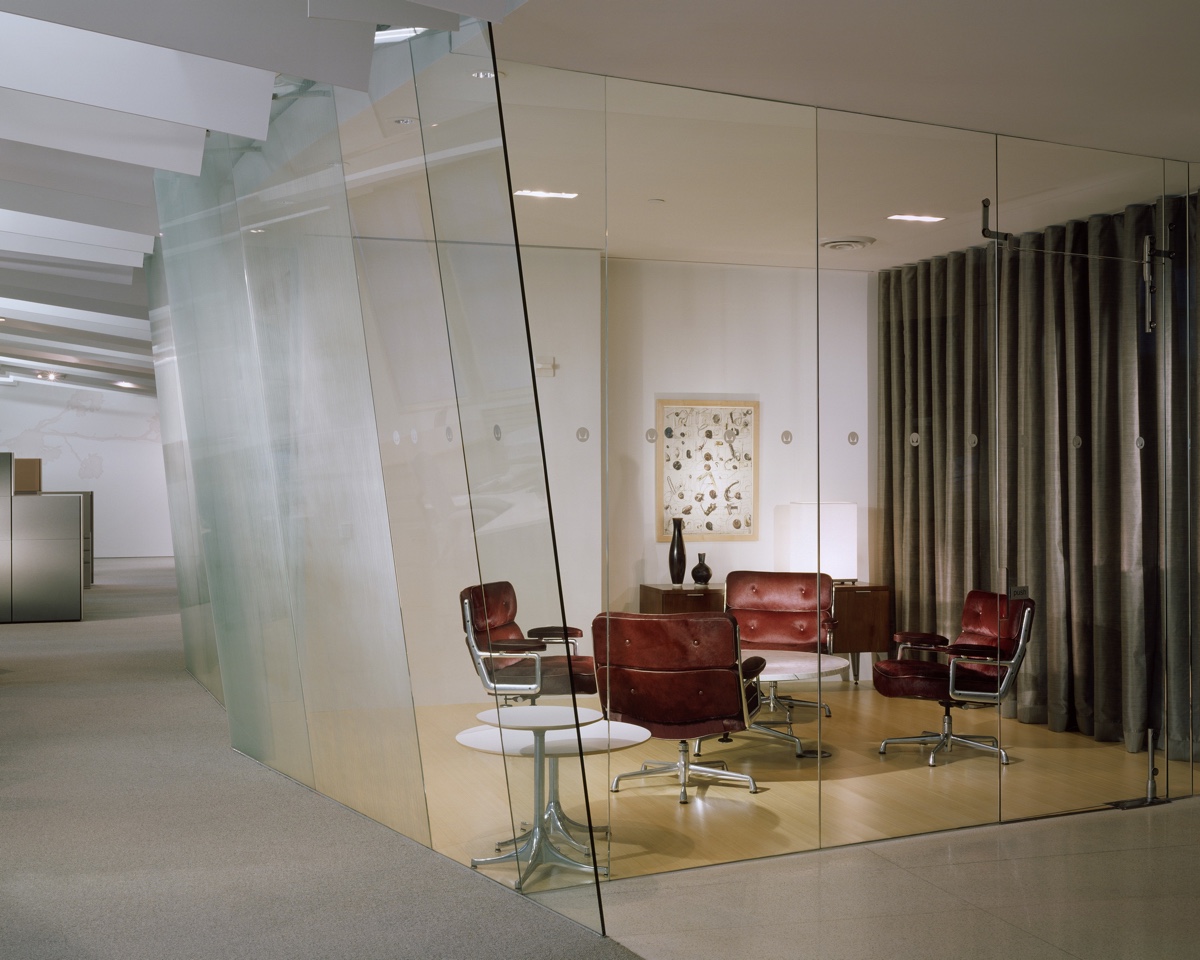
683	330
101	441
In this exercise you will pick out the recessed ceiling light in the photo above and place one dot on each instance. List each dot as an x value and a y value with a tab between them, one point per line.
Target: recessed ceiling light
125	384
49	375
915	217
545	194
257	230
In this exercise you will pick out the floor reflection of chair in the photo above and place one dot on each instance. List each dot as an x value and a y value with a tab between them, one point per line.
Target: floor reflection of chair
547	734
977	668
680	676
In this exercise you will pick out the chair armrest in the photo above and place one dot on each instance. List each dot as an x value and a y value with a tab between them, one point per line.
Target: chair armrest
508	689
555	633
564	635
923	642
977	696
752	667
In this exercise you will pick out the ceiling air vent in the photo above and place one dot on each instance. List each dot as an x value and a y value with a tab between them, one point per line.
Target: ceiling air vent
845	243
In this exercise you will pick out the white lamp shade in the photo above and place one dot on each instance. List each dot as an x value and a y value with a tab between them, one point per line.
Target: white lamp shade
811	537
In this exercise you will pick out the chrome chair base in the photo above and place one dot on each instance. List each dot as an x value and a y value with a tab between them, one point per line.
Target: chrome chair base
684	769
773	700
946	740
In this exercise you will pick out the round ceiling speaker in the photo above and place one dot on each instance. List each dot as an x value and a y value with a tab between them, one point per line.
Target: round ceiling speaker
846	243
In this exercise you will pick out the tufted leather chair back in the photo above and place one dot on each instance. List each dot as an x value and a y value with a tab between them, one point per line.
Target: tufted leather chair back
991	624
493	614
781	611
679	675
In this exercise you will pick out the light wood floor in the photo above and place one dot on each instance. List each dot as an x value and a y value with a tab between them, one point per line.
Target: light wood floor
855	795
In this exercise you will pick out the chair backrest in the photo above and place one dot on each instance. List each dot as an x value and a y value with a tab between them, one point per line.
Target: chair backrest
679	675
996	626
781	611
489	612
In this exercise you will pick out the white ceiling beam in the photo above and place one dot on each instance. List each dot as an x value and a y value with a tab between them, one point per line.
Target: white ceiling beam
48	247
274	35
54	228
394	13
67	63
79	128
78	208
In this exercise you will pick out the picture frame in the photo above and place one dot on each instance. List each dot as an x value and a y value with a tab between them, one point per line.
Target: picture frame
706	468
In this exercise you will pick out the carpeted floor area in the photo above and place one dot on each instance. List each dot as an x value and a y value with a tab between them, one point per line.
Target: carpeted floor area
130	830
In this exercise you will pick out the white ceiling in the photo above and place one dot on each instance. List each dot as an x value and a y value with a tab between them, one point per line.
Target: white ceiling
96	94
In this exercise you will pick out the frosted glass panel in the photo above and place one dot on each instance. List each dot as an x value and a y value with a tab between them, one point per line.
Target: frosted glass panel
195	607
309	628
236	502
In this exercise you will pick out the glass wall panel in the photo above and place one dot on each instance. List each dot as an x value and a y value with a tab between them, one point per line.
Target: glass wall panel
236	501
195	606
458	421
711	410
1091	467
899	214
278	409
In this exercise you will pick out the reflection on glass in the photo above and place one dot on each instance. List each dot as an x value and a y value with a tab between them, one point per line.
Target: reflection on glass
710	313
926	366
452	378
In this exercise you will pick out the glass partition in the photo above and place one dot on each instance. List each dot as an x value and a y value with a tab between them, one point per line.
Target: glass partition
899	214
418	369
452	375
1092	321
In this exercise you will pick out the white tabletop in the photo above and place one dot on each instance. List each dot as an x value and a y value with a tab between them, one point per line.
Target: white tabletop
595	738
797	664
537	717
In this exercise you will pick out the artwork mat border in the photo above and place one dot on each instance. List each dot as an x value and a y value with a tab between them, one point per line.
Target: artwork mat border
662	497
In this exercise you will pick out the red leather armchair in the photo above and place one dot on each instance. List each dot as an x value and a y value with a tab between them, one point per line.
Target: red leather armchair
512	664
680	676
978	667
782	611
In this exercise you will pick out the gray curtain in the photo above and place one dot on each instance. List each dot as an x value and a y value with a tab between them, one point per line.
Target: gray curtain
1028	420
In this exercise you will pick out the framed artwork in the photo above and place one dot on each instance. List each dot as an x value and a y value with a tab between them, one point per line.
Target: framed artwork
707	470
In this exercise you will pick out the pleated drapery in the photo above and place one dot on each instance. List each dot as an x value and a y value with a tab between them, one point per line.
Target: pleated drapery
1029	420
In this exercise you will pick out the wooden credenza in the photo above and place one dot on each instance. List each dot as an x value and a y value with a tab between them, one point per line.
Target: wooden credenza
864	620
669	598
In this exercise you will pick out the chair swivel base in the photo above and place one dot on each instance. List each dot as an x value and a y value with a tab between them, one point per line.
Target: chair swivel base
946	740
684	769
774	700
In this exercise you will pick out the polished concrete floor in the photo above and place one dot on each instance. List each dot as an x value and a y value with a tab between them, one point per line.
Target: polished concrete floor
1107	885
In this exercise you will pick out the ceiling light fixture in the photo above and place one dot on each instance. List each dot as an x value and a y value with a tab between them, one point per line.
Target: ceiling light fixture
550	194
125	384
916	218
49	375
396	34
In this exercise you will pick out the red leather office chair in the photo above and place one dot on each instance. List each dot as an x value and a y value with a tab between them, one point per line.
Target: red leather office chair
782	611
512	664
680	676
979	667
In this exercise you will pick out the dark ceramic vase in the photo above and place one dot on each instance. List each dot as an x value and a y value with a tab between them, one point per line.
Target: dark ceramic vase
677	555
701	572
